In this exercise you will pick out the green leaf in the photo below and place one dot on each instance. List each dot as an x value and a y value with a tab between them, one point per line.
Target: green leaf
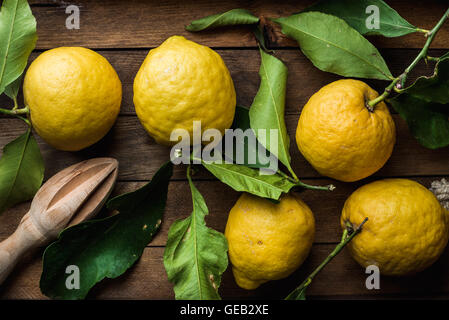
391	24
21	171
106	248
427	121
267	111
228	18
17	39
241	121
241	118
333	46
195	256
260	37
297	294
12	90
434	88
250	180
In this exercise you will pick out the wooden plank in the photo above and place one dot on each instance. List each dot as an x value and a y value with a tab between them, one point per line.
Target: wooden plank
147	280
143	24
303	80
140	156
220	199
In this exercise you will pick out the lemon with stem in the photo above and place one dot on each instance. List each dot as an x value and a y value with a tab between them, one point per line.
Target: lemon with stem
343	137
407	228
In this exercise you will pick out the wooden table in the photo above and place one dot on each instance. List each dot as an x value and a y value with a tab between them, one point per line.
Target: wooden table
124	31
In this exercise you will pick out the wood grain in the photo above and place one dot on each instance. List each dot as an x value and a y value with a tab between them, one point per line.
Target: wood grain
140	156
144	24
220	198
125	30
147	280
303	79
89	184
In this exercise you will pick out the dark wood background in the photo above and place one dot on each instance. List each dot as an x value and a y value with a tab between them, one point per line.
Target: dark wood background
124	31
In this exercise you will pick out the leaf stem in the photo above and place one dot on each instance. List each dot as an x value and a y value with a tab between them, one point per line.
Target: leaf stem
399	81
286	176
372	103
348	234
259	34
429	58
17	113
422	30
298	183
329	187
295	177
16	105
423	54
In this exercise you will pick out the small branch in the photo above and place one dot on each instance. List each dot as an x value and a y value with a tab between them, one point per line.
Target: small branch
399	82
298	183
329	187
293	179
286	176
422	30
435	59
18	113
348	234
423	54
371	104
15	111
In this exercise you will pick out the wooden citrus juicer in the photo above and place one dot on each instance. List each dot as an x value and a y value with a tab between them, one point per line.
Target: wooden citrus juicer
71	196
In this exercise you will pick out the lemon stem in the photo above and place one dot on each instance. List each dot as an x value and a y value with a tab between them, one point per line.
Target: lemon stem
18	113
298	183
371	104
329	187
348	234
15	111
398	83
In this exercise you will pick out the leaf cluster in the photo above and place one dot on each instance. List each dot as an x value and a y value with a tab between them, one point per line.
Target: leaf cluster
21	165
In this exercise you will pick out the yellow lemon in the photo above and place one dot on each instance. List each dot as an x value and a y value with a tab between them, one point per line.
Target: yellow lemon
407	228
74	96
268	241
181	82
338	134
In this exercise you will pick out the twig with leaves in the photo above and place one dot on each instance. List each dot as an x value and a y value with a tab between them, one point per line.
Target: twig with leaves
398	83
21	166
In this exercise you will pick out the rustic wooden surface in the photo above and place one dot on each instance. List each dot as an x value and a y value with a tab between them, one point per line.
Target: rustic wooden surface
123	31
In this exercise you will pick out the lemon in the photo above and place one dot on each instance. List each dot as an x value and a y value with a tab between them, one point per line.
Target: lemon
268	241
180	82
340	137
74	97
407	228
